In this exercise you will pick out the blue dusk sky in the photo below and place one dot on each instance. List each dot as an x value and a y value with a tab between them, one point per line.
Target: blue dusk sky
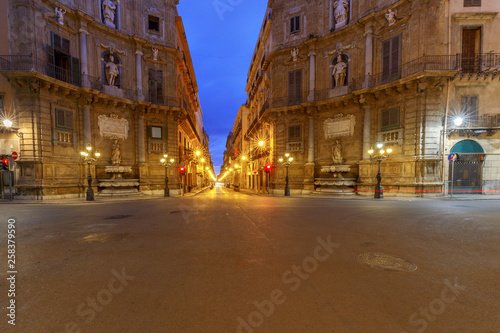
222	35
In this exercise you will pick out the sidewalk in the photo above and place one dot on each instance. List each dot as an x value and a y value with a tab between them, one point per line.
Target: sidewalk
98	199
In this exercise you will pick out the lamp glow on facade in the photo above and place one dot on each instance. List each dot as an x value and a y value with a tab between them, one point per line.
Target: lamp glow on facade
261	143
458	121
7	123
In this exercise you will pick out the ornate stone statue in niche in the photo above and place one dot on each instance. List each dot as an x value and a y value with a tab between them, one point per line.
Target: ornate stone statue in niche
337	153
112	70
339	71
155	54
295	54
116	158
108	12
391	16
341	12
60	15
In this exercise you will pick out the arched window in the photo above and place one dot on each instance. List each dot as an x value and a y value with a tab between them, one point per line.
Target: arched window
340	71
111	69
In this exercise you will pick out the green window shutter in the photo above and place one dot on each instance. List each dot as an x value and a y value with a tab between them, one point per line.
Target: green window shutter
165	133
59	118
68	119
149	131
75	71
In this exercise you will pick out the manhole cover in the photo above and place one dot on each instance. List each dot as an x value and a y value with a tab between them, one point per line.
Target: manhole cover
386	262
117	217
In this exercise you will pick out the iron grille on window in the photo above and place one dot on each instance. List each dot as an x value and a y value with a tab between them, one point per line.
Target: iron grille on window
472	3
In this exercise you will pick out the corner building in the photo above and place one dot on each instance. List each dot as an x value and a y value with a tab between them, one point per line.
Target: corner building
331	79
117	76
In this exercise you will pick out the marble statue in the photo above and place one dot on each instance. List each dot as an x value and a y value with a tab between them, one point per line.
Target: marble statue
112	70
337	153
155	54
295	54
391	16
60	15
116	158
341	12
339	72
108	10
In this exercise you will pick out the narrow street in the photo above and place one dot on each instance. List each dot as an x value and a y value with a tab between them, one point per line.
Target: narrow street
224	261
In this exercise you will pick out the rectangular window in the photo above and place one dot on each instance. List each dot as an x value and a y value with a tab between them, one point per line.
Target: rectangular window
472	3
391	59
60	64
471	49
470	108
295	87
153	23
64	119
295	133
156	132
389	120
155	82
2	104
295	24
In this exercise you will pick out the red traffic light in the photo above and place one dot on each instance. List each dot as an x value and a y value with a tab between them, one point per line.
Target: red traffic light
182	170
268	168
5	164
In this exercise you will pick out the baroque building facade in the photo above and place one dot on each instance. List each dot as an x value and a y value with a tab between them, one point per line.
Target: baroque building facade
331	79
116	76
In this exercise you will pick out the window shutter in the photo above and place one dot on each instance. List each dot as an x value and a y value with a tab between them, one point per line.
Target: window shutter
386	61
75	71
159	85
65	46
165	133
149	131
292	25
57	43
59	118
297	23
298	85
291	86
50	61
395	58
152	85
68	119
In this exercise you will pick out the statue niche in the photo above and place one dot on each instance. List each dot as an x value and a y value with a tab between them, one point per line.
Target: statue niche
340	71
110	10
111	69
341	12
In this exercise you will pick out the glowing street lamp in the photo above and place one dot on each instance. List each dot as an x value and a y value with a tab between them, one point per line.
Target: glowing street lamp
87	158
261	143
7	123
458	121
167	164
381	155
286	162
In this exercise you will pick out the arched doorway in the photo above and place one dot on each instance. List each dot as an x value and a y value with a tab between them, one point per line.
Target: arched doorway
468	169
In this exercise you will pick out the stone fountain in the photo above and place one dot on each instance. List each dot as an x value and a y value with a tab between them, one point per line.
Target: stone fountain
116	129
337	184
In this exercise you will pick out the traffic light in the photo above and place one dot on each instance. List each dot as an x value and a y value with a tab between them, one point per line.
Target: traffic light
5	164
268	168
182	170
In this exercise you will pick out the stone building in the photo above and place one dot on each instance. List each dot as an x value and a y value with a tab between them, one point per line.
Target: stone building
331	79
117	76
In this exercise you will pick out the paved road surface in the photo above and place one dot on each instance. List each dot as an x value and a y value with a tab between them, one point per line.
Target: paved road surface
231	262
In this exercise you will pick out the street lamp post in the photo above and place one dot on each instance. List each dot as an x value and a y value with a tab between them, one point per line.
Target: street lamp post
286	162
87	158
167	164
381	155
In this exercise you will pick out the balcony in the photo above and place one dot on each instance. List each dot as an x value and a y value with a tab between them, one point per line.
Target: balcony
27	63
479	65
476	125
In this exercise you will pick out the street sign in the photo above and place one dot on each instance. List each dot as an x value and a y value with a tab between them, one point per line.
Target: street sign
452	157
14	155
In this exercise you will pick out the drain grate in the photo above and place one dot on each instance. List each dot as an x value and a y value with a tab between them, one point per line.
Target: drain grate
386	262
117	217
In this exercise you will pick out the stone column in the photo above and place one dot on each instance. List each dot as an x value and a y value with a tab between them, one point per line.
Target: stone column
312	76
141	142
366	132
83	58
331	18
368	57
138	70
87	131
310	151
309	166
